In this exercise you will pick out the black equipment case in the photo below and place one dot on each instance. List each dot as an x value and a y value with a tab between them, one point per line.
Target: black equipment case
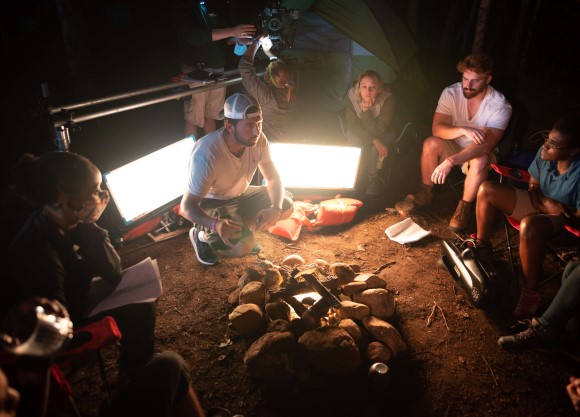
478	278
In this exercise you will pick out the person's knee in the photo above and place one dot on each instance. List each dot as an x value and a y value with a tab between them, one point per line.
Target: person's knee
535	229
486	191
433	145
571	271
479	165
170	362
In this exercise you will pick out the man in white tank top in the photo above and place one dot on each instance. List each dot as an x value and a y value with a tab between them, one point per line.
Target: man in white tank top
470	120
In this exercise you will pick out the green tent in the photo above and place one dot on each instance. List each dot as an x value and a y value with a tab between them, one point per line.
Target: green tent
336	40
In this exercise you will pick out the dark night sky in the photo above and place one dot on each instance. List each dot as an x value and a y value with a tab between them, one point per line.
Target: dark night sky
127	44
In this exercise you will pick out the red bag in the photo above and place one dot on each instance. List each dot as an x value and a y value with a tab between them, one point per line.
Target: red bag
336	211
291	227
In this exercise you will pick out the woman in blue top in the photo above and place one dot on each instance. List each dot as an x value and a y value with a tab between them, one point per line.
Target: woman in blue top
551	201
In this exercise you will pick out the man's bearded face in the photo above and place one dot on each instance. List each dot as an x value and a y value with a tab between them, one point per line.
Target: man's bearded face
474	84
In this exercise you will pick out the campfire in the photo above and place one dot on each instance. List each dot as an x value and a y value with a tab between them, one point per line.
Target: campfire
298	317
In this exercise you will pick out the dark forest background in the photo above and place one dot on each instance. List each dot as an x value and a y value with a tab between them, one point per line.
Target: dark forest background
89	49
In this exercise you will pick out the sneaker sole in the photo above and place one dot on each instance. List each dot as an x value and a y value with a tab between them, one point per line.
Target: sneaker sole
195	249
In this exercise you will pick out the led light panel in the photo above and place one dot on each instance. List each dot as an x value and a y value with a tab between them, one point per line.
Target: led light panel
316	166
150	182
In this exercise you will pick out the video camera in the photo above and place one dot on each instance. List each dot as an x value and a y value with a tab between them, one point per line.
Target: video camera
275	22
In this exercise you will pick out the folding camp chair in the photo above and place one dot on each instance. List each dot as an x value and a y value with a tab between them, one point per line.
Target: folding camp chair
88	341
523	177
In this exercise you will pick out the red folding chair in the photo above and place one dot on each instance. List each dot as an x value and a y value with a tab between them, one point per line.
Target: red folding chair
87	343
521	176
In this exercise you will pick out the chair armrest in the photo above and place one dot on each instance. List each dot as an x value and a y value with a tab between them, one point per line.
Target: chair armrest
573	230
91	338
515	174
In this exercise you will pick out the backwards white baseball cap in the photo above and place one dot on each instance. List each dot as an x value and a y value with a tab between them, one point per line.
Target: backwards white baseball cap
239	106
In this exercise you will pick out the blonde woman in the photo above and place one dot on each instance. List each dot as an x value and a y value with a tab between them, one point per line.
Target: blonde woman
369	115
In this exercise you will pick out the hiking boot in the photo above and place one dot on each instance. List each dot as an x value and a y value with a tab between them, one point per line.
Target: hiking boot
460	219
536	336
423	198
203	251
528	305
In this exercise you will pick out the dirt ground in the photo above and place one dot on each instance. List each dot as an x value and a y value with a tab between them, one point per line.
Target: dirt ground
454	368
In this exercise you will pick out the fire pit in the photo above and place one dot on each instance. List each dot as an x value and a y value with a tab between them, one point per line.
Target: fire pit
297	317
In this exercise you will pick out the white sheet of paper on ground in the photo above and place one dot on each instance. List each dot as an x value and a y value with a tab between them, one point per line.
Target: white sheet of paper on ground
140	283
406	231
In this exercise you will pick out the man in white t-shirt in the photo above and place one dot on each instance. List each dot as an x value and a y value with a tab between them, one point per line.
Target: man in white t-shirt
219	200
470	120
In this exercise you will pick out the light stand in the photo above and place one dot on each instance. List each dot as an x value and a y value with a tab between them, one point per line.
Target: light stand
63	118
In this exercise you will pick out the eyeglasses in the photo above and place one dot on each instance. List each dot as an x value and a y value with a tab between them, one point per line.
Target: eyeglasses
550	144
99	197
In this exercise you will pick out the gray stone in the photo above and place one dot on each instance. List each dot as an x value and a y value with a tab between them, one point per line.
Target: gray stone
351	328
343	271
352	310
372	280
378	352
247	319
254	293
278	310
330	349
354	287
387	334
379	300
271	357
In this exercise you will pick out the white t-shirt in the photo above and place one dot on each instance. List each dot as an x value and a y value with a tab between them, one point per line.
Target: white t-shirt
214	172
495	111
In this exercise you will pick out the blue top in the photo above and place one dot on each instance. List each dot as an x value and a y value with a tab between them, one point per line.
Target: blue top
563	188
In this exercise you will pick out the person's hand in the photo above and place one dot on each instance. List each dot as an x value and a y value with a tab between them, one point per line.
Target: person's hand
556	208
367	104
546	205
267	218
244	41
440	173
478	136
382	149
228	230
573	389
244	31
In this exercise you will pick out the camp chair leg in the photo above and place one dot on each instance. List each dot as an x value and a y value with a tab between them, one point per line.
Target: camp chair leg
510	249
73	406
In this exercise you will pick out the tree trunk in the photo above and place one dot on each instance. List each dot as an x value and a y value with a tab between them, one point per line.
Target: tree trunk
480	29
